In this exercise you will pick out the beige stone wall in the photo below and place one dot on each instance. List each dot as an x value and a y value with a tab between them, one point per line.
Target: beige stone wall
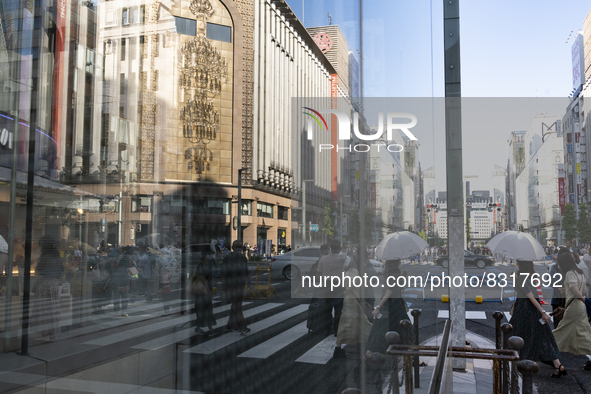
175	144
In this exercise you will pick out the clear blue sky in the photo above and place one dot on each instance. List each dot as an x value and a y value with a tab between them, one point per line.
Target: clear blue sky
508	49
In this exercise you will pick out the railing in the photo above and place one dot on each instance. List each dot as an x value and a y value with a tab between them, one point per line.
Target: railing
437	377
506	364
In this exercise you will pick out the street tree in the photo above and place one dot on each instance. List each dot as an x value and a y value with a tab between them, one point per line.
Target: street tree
569	223
583	225
328	224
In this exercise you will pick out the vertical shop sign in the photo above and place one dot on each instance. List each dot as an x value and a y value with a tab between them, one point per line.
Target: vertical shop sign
333	137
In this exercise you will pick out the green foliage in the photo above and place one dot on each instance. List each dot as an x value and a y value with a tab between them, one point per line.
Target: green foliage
569	225
354	226
583	226
423	235
328	224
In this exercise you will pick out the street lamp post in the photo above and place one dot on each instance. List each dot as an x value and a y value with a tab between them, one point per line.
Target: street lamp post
239	216
304	209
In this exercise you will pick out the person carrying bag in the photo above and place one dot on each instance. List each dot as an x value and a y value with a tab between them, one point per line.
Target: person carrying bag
573	333
200	286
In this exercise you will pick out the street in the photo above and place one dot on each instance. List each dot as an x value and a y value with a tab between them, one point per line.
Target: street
279	355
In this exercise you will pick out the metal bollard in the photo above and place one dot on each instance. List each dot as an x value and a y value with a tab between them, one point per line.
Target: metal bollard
405	324
515	343
392	338
415	314
498	316
528	369
506	328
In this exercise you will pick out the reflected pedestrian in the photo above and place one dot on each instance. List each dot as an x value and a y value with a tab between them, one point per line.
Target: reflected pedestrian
234	276
354	326
333	265
201	286
46	298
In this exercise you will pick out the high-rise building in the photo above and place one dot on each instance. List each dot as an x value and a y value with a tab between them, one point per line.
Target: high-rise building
515	165
536	200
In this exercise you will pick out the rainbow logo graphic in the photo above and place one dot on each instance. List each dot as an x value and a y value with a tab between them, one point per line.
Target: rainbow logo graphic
315	118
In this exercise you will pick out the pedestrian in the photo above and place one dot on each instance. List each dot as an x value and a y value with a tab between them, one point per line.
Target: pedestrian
530	322
46	299
333	265
234	276
120	281
145	273
395	307
201	287
313	273
573	334
354	326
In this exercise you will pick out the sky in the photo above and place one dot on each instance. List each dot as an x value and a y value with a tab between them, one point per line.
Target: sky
508	49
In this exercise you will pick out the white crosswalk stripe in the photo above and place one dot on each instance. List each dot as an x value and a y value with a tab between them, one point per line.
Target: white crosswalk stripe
470	315
168	339
135	332
321	353
278	342
225	340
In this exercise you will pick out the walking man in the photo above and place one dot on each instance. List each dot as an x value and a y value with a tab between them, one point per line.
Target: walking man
234	277
333	265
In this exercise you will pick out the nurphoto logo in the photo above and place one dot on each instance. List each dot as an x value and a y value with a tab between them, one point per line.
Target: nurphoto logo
344	129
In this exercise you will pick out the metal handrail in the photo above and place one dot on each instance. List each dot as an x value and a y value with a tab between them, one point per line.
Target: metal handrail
437	377
445	351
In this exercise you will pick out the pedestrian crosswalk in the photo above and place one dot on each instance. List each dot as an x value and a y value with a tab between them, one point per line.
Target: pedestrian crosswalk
221	342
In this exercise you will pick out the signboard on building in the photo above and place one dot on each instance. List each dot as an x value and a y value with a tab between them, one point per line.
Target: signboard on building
561	190
569	148
578	61
478	205
315	227
578	168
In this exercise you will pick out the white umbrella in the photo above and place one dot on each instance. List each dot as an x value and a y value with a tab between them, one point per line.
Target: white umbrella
399	245
3	245
517	245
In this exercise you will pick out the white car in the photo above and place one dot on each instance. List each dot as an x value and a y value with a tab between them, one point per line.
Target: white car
292	264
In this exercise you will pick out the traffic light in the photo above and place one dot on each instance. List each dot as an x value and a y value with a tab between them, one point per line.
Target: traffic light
138	228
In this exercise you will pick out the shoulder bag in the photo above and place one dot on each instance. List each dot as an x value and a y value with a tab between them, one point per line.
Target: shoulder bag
198	284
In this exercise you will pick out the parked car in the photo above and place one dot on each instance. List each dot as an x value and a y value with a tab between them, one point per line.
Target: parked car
292	264
479	260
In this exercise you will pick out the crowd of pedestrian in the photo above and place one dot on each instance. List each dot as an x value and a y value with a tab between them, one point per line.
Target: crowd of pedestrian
570	311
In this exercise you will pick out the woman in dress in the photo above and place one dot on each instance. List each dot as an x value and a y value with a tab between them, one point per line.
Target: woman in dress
573	334
354	325
396	311
203	302
527	322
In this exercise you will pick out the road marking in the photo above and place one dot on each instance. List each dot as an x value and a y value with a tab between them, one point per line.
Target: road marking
321	353
470	315
150	328
221	342
169	339
88	386
278	342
